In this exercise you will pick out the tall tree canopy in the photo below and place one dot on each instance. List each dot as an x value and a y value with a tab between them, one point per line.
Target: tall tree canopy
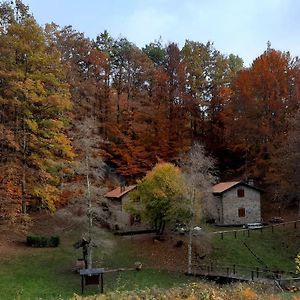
148	105
263	99
34	101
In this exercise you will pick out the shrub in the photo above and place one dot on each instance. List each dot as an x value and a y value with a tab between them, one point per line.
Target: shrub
54	241
42	241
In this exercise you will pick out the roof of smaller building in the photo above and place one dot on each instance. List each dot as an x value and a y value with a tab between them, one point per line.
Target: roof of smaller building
120	191
224	186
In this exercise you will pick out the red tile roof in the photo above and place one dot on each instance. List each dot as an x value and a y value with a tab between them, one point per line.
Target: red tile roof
119	192
223	186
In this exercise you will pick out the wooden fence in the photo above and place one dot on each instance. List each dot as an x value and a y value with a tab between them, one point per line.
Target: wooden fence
247	232
242	272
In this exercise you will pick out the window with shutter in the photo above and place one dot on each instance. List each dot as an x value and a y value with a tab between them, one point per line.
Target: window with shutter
240	193
241	212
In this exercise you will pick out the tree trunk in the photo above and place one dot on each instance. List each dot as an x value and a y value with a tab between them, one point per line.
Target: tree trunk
24	208
189	270
89	213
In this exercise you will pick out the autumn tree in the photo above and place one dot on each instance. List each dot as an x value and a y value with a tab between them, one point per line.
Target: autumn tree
160	197
208	77
263	98
284	173
34	101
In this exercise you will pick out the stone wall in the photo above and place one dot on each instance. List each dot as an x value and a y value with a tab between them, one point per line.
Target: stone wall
250	202
211	209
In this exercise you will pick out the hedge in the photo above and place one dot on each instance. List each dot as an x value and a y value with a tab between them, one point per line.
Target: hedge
42	241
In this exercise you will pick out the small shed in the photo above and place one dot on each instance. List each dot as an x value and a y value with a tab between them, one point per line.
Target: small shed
235	203
118	198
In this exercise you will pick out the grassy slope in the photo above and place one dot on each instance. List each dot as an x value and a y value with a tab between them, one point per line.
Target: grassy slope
277	250
47	273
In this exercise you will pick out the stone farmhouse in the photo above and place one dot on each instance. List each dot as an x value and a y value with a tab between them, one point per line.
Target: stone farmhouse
117	198
235	203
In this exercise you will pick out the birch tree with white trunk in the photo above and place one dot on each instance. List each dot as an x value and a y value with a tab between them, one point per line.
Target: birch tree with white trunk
92	167
200	175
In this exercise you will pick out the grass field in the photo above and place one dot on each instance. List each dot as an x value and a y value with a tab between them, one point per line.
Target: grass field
276	250
46	273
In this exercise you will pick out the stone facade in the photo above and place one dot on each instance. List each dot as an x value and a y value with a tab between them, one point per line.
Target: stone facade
122	218
114	210
236	205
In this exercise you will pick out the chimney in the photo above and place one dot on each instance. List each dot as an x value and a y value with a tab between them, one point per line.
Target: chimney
251	181
122	188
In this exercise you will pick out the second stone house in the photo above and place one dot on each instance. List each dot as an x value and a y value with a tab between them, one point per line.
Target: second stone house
235	203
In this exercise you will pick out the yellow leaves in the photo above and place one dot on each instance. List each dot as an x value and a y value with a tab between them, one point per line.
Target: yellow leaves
64	145
48	194
57	124
248	294
59	101
32	125
297	261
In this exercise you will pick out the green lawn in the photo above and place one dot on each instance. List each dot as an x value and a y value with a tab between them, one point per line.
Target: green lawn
276	249
47	273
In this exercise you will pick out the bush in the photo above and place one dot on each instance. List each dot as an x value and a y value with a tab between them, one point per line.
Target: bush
54	241
42	241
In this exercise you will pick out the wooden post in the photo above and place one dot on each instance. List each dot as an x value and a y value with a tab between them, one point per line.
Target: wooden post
252	275
82	284
233	268
261	229
295	225
248	233
222	235
235	234
227	271
101	282
257	272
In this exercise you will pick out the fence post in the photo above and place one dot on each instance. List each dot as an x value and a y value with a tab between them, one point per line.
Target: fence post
233	268
257	272
227	271
295	225
235	234
248	233
252	275
222	237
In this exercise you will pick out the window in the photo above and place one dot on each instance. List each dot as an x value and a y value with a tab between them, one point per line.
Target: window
240	193
241	212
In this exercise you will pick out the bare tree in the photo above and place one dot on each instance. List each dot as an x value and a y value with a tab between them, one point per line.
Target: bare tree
200	174
92	168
